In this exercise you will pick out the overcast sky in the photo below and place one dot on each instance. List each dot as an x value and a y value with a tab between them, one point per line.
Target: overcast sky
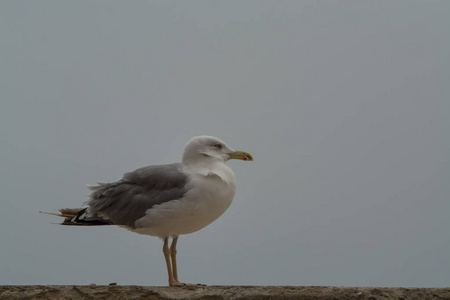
343	104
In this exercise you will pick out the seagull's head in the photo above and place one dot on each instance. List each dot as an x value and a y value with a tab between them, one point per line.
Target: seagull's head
201	148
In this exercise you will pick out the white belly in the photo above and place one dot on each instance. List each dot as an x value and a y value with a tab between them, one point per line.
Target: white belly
207	199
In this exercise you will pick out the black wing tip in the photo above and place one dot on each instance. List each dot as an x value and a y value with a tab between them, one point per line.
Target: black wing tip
77	217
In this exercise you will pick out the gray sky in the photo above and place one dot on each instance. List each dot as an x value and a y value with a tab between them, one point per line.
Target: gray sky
343	104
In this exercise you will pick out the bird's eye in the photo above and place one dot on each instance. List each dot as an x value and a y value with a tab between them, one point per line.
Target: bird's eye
218	146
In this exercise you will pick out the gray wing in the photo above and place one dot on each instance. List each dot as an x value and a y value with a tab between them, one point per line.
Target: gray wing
125	201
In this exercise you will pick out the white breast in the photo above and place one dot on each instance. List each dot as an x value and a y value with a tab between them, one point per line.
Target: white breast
208	197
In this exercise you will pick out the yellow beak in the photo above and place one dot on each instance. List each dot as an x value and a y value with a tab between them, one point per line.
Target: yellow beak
240	155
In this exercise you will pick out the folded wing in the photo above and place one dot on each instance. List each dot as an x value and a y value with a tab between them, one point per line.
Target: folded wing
125	201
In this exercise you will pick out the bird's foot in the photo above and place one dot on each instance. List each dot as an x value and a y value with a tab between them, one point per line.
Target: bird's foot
181	284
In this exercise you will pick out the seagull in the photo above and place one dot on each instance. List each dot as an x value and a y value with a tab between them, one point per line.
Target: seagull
166	201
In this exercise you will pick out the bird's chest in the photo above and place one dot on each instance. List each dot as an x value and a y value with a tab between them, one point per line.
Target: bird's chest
210	199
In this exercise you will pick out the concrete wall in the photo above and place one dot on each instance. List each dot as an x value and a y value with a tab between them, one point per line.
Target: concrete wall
219	292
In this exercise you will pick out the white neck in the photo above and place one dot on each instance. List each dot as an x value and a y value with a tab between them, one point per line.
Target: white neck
210	166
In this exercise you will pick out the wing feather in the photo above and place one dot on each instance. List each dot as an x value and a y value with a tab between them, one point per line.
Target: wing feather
125	201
